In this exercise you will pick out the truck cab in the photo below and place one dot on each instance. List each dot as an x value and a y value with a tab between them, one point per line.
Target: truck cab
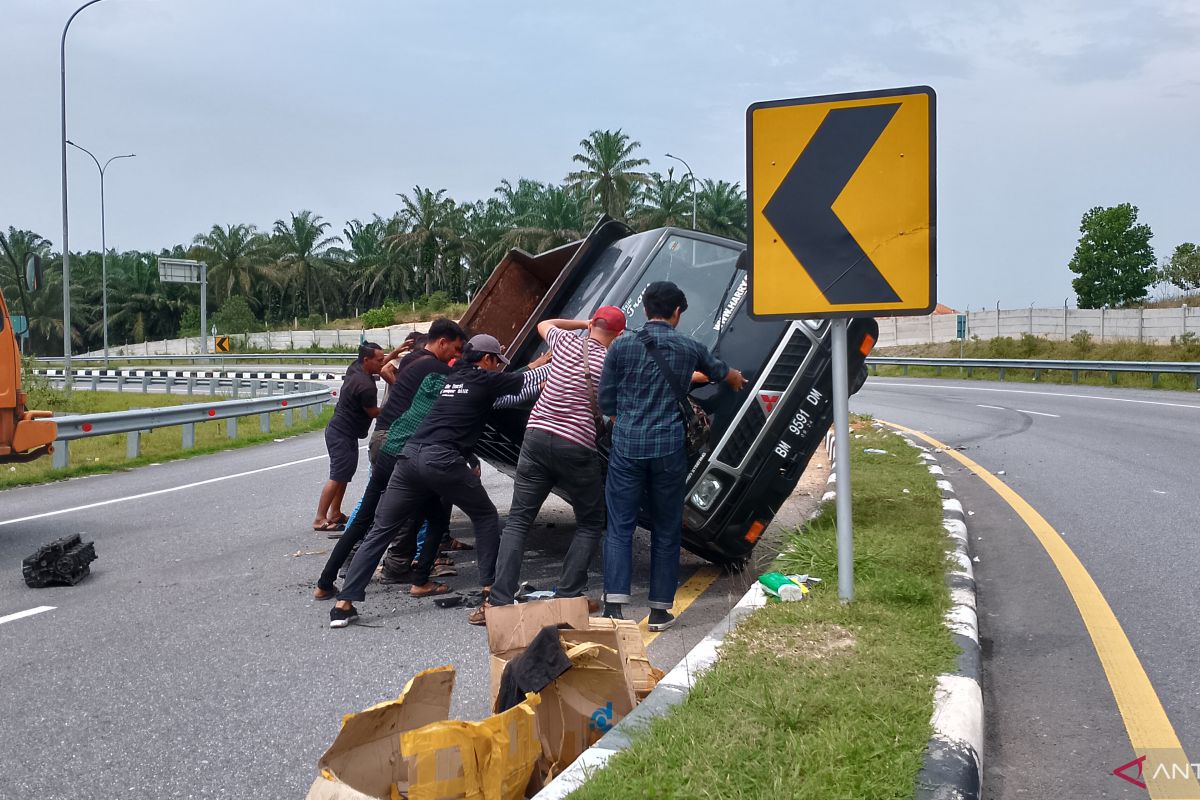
761	438
24	434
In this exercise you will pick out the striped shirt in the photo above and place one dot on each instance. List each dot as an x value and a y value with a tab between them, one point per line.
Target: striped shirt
564	408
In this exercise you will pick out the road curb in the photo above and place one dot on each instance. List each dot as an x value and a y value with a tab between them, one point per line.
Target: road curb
953	764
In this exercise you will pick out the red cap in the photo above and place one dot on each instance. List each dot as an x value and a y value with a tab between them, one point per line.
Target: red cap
612	317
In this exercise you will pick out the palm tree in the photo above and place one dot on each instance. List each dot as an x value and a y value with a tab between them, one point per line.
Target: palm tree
374	271
608	177
15	247
487	224
146	309
304	258
554	217
665	201
236	256
432	234
721	209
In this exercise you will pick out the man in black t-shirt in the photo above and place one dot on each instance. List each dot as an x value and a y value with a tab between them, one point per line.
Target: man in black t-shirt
439	464
357	405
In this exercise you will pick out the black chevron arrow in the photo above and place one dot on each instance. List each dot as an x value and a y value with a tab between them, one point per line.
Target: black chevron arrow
801	208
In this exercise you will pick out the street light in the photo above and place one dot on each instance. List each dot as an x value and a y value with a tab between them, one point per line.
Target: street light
693	176
66	278
103	243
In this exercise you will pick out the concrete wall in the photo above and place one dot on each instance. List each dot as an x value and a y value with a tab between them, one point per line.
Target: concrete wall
1152	325
275	340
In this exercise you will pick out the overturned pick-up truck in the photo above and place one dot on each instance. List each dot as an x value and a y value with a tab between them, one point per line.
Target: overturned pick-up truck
761	438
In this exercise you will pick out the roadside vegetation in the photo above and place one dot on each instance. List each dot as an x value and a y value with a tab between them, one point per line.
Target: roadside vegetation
107	453
818	699
1081	346
425	256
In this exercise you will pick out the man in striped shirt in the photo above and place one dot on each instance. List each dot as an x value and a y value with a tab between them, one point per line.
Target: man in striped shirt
560	450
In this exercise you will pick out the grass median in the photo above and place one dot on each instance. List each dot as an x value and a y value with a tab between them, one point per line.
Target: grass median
107	453
818	699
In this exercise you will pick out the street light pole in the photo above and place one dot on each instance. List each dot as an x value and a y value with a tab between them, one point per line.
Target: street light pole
66	277
693	176
103	243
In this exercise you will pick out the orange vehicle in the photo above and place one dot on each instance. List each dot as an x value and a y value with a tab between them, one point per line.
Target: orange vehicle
24	435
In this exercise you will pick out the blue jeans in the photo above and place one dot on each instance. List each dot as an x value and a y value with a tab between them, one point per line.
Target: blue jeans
660	481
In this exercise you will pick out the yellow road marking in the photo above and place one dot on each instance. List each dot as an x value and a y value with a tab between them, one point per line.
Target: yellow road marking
1165	770
685	595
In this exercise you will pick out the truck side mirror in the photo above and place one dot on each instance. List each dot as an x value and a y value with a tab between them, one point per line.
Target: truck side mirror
33	272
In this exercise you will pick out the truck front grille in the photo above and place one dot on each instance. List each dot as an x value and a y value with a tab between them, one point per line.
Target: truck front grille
789	363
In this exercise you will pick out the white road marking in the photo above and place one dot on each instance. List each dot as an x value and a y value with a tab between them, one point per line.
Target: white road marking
943	387
157	492
1039	413
996	408
23	614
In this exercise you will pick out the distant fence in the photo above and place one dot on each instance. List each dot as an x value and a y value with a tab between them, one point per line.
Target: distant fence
275	340
1151	325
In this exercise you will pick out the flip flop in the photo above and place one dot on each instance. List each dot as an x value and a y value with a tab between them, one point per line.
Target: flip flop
438	588
443	562
455	544
342	519
329	526
443	572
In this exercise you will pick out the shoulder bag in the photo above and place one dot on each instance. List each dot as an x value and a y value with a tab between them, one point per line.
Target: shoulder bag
695	420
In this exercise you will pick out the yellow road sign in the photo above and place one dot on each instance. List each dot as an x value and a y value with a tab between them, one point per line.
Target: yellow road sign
842	199
222	344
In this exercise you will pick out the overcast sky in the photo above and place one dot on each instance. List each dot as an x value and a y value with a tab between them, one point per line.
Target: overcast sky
241	111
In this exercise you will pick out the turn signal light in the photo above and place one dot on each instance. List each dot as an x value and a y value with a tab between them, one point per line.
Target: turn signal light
756	530
868	343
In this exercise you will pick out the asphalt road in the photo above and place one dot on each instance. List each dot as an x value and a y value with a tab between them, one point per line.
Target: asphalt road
193	661
1113	470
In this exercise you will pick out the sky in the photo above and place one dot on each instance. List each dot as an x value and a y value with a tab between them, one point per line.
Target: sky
246	110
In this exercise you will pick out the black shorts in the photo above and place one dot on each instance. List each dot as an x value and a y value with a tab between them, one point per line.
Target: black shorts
343	455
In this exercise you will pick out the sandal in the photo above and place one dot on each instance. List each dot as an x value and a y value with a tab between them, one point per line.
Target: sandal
455	544
443	562
479	615
321	594
442	571
341	520
326	527
435	588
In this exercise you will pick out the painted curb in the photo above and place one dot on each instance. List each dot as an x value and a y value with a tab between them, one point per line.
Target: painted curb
953	764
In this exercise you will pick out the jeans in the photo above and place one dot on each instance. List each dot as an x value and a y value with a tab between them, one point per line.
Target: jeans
425	475
547	461
360	522
661	482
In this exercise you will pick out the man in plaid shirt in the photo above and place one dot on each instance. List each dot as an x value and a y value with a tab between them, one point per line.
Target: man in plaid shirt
649	456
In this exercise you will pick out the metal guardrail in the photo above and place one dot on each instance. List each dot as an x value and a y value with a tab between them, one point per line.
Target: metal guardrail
210	358
1038	366
277	398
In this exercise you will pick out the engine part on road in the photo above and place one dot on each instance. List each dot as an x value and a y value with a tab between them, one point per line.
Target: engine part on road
63	562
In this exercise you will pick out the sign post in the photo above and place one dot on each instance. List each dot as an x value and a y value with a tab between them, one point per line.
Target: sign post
842	221
182	270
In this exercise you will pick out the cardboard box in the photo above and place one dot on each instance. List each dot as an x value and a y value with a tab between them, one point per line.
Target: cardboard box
407	747
511	628
584	702
643	676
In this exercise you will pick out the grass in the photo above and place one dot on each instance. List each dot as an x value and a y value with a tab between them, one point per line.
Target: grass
1078	348
107	453
819	699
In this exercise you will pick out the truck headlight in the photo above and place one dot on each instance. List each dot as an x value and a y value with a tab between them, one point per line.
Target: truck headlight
706	492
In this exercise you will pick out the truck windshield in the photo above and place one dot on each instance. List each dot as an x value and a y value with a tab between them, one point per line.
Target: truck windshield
706	274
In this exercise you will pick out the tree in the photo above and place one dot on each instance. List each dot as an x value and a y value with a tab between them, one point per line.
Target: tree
432	233
1114	259
555	217
665	201
722	209
376	271
237	257
235	316
608	178
1182	269
15	246
139	305
303	252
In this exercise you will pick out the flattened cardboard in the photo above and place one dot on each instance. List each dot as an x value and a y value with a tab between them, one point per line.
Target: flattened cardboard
511	628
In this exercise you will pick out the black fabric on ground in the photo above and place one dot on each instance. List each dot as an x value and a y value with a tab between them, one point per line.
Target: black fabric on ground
533	670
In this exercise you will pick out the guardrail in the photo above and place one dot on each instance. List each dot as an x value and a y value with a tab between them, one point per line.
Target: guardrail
299	400
1038	366
209	358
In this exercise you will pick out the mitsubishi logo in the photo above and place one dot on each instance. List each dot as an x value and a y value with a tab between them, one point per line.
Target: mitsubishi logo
768	401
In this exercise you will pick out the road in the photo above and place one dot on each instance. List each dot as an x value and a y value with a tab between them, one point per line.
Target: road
194	663
1113	470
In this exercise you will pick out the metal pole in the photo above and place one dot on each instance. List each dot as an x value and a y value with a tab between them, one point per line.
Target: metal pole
203	308
693	177
66	276
841	430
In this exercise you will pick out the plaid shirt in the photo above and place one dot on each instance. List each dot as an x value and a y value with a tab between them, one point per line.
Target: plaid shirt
634	390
